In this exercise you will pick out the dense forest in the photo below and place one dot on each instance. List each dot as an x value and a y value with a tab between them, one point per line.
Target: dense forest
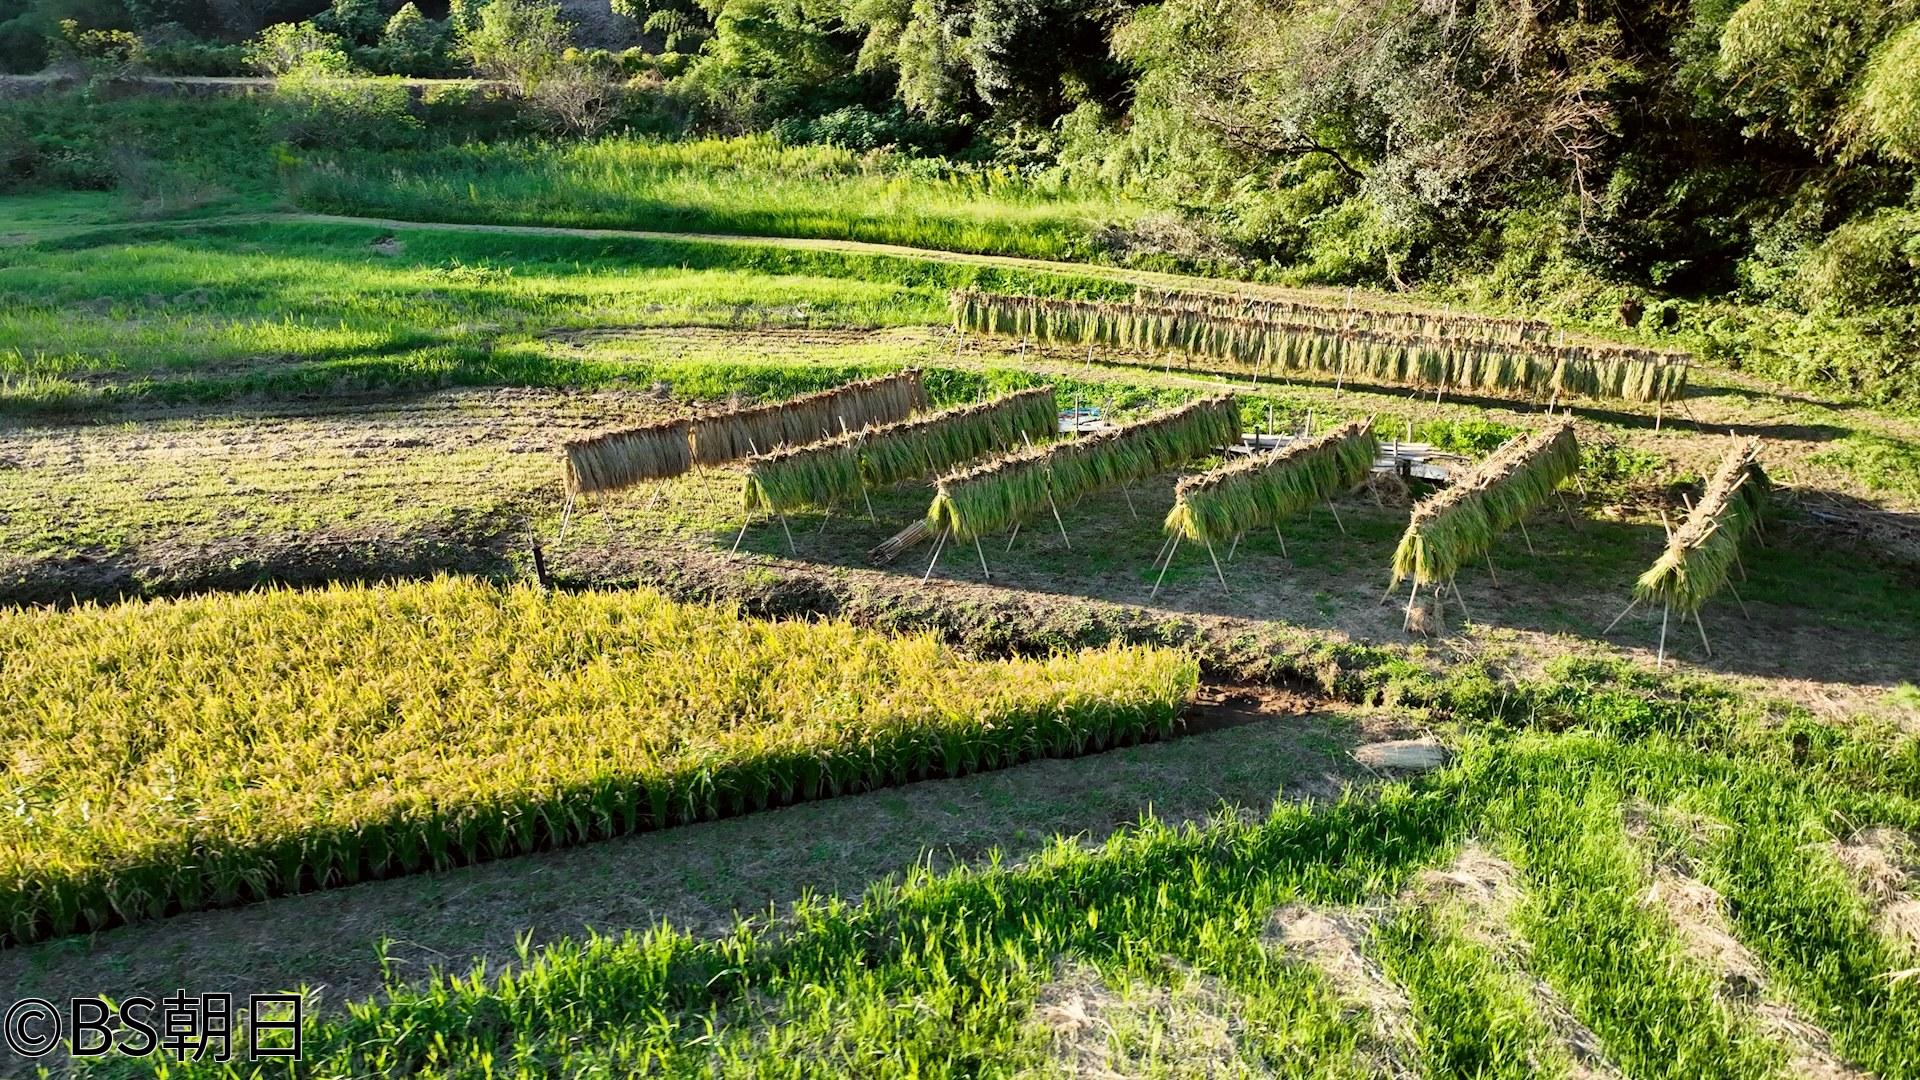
1743	172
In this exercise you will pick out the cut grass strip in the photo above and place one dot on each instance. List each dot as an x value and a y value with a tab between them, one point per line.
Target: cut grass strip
213	751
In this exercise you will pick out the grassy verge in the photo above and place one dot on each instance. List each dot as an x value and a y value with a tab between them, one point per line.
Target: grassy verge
747	186
209	313
225	749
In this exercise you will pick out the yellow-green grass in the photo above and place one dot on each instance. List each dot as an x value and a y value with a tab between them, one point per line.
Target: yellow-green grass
205	752
748	186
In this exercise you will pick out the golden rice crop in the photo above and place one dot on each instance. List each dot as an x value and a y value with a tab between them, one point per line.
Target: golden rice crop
204	752
1383	347
1001	492
720	437
1704	548
1261	489
620	459
1457	525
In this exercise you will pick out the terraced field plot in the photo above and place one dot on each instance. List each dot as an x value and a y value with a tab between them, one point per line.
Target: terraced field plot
1614	872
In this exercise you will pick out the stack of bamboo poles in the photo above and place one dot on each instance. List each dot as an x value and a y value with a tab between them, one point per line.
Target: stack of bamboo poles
1383	351
1459	524
737	433
1259	490
842	468
621	459
1006	491
1701	553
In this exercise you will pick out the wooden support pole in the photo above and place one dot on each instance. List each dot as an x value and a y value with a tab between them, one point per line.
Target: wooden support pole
1167	566
1336	517
1282	539
1528	538
566	518
1660	659
1234	548
1056	520
941	543
1406	620
1490	573
1703	633
1015	535
984	572
1217	572
1623	614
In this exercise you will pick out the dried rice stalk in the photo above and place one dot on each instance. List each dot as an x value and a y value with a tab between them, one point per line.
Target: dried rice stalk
1466	353
1459	524
995	495
621	459
1262	489
737	433
1702	550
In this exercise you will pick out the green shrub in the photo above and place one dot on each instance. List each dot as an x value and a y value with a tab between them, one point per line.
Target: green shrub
316	109
284	48
412	44
170	50
1871	260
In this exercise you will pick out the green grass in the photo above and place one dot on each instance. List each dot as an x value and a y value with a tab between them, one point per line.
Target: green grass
1882	464
223	749
744	186
939	976
214	312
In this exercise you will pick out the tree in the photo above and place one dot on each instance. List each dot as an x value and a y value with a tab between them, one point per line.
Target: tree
520	41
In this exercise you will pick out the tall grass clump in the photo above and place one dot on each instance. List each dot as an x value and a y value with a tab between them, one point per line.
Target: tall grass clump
620	459
168	756
732	434
840	469
1459	524
1007	490
1364	345
1263	489
1702	551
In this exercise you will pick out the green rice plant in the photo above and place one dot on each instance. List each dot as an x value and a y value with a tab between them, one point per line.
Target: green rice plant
1406	348
1458	525
732	434
1262	489
200	753
1009	489
620	459
1702	551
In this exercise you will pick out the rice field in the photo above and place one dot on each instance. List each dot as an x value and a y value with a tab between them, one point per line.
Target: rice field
208	752
1659	892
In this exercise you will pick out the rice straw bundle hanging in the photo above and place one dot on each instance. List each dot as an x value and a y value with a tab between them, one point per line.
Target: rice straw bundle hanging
1007	490
621	459
1705	547
1263	489
736	433
928	445
820	473
1407	348
1459	524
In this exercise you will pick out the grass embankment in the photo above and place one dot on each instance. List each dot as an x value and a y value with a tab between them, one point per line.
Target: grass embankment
218	750
745	186
218	312
948	975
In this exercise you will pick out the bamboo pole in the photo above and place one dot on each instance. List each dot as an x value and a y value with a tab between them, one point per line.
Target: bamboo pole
941	543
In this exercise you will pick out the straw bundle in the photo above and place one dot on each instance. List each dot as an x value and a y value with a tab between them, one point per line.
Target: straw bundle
1705	547
729	436
826	472
1263	489
1006	490
1407	348
928	445
817	474
620	459
1459	524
